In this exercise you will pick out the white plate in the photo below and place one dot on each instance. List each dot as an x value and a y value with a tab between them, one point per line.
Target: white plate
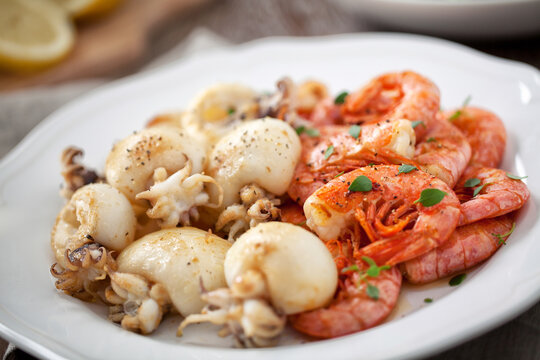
49	324
454	18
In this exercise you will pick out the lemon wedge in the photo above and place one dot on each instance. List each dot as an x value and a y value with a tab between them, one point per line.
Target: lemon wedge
33	34
82	9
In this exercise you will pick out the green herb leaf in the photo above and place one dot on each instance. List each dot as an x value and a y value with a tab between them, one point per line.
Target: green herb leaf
361	183
302	223
460	111
231	111
350	268
369	261
414	124
478	189
340	99
372	291
472	182
338	175
354	131
428	300
431	139
455	115
328	152
466	102
502	237
308	131
374	270
515	177
430	197
405	169
456	280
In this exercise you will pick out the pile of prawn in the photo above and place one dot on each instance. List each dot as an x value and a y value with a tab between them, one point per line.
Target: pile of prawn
393	133
397	190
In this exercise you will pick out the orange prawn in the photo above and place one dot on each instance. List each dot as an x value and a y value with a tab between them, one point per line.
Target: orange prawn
445	152
484	131
353	308
292	213
468	246
335	151
401	95
494	194
397	226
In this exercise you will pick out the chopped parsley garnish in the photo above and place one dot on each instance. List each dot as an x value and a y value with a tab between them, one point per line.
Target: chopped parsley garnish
405	169
460	111
478	189
414	124
428	300
502	237
373	271
431	139
515	177
329	151
456	280
430	197
231	111
350	268
308	131
340	99
361	183
472	182
354	131
338	175
302	223
372	291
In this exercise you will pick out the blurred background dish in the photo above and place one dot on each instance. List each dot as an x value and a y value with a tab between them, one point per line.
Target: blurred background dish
471	19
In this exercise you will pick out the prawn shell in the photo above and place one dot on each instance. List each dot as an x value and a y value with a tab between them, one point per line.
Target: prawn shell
468	246
446	152
484	131
400	95
352	309
332	208
500	194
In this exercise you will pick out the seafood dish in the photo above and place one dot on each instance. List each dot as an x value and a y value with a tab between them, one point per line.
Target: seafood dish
258	211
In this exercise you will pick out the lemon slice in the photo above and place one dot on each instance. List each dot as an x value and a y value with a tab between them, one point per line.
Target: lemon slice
80	9
33	34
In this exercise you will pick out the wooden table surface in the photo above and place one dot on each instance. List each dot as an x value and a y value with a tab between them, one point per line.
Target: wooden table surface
243	20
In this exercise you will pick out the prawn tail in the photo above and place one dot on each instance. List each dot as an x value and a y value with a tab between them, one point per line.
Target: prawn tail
325	323
397	249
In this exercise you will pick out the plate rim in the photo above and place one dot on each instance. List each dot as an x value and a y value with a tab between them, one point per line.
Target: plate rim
457	4
39	350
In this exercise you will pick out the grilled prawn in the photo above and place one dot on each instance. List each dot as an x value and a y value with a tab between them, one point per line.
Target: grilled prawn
395	225
496	194
468	246
401	95
337	151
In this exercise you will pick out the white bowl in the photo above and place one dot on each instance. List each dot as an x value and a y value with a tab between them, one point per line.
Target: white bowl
474	19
